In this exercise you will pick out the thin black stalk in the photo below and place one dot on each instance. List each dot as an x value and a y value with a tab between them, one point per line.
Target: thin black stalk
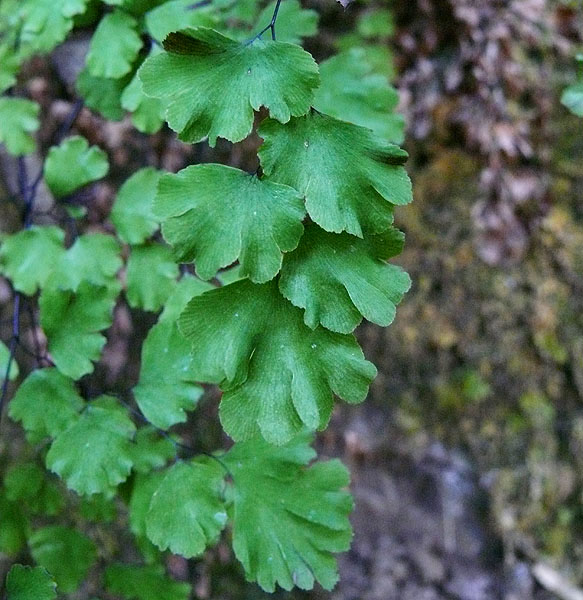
199	4
38	357
274	19
15	334
139	415
69	121
271	25
27	192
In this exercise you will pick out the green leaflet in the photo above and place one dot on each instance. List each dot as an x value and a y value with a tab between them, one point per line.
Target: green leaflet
11	16
9	65
4	358
151	451
338	279
288	519
115	46
28	583
372	36
572	98
167	385
65	553
188	287
144	486
242	11
144	583
98	508
103	95
23	482
254	221
376	23
46	23
213	83
18	120
93	258
94	454
379	57
28	484
24	256
352	91
46	404
151	276
178	14
132	212
147	113
350	178
72	165
278	375
193	489
13	527
72	322
230	275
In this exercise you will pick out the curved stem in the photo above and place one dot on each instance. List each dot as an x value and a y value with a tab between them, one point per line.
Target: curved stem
274	19
271	25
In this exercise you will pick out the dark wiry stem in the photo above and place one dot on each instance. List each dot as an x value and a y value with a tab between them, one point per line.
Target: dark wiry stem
27	192
199	4
270	26
178	445
28	200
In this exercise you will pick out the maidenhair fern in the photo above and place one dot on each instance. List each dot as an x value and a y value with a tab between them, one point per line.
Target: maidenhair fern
286	262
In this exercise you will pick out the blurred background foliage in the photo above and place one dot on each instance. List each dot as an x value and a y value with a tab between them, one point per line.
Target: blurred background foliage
467	459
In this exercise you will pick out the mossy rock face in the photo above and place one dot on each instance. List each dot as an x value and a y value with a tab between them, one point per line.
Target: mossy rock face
488	358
